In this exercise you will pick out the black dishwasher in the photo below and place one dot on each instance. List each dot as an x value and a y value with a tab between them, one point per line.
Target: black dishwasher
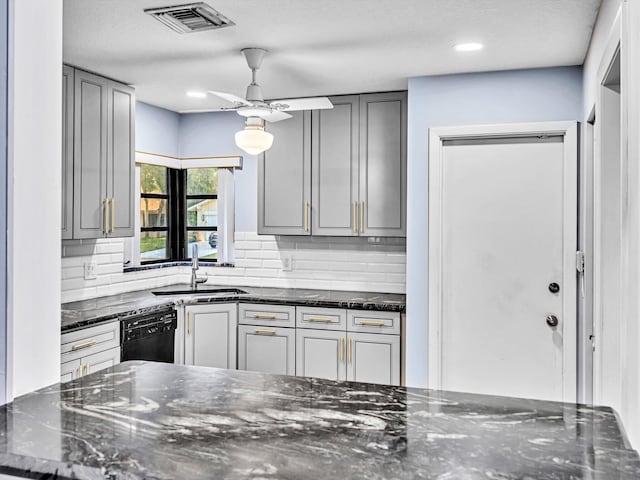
149	336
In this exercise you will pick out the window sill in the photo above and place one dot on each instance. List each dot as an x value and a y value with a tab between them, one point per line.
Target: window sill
154	266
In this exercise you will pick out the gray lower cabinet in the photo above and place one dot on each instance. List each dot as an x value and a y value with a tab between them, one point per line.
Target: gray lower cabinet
103	157
89	350
337	344
373	358
67	151
211	335
284	178
320	353
266	349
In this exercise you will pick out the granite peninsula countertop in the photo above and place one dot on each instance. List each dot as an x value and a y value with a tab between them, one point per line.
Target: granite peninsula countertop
83	313
145	420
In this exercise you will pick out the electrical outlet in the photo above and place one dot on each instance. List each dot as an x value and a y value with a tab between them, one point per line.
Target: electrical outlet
90	271
287	263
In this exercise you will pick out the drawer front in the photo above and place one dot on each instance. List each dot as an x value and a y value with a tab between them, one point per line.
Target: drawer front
321	318
369	321
267	315
88	341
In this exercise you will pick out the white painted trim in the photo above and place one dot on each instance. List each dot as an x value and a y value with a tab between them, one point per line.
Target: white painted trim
569	130
182	163
611	50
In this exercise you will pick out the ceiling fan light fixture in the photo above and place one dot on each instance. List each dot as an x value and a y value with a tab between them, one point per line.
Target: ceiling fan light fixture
253	139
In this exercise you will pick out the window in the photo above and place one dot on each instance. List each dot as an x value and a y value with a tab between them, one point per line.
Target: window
154	209
181	207
202	212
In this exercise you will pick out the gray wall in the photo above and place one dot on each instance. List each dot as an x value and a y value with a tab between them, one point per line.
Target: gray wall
157	129
545	94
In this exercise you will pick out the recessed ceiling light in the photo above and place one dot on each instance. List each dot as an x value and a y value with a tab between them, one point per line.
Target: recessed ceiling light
468	47
195	94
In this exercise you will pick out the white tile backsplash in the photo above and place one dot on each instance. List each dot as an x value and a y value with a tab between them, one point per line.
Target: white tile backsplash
318	262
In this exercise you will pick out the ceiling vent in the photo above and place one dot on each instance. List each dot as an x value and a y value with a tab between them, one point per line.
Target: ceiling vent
189	18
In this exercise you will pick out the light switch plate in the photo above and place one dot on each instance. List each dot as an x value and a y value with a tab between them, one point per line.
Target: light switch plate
287	263
90	271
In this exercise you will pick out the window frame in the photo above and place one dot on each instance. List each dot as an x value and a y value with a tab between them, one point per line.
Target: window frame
167	196
177	223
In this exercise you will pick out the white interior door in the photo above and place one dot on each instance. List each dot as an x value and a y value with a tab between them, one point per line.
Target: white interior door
502	240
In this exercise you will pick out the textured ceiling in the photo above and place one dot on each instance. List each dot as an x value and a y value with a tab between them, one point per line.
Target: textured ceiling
320	47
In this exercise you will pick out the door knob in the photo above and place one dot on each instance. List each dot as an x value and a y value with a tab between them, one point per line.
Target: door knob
552	320
554	287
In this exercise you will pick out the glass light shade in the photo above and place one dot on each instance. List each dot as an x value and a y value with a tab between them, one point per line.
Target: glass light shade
254	140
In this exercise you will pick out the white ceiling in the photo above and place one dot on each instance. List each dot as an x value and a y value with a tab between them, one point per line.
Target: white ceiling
320	47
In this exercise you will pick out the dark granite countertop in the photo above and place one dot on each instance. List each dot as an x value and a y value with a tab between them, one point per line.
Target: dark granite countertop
145	420
81	314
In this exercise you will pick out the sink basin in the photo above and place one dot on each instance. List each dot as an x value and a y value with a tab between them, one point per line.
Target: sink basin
201	291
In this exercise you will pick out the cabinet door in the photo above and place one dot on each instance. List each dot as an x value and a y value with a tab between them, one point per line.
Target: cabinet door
67	152
320	353
211	335
90	155
120	159
373	358
334	163
284	178
100	361
383	164
266	349
69	371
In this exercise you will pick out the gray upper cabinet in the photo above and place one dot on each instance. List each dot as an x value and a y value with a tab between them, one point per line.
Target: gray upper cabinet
383	164
90	155
284	178
334	164
103	157
120	159
358	160
67	151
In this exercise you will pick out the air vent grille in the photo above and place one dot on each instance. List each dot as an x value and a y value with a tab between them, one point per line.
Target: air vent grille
189	18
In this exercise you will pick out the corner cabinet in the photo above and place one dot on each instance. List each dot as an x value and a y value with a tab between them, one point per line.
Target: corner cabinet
102	123
210	335
284	178
357	156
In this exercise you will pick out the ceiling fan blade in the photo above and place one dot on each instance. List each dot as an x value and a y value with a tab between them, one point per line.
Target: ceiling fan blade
275	116
311	103
230	97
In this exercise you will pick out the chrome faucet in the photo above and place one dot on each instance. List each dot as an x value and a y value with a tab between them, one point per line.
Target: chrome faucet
195	265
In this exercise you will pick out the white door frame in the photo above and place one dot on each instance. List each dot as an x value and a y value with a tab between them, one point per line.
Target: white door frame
437	136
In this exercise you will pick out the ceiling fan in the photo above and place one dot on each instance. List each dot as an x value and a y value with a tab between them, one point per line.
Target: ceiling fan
254	104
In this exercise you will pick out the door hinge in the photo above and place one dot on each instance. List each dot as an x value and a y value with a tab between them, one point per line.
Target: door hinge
580	261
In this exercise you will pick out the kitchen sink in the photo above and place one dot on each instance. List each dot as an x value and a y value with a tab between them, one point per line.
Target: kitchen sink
201	291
